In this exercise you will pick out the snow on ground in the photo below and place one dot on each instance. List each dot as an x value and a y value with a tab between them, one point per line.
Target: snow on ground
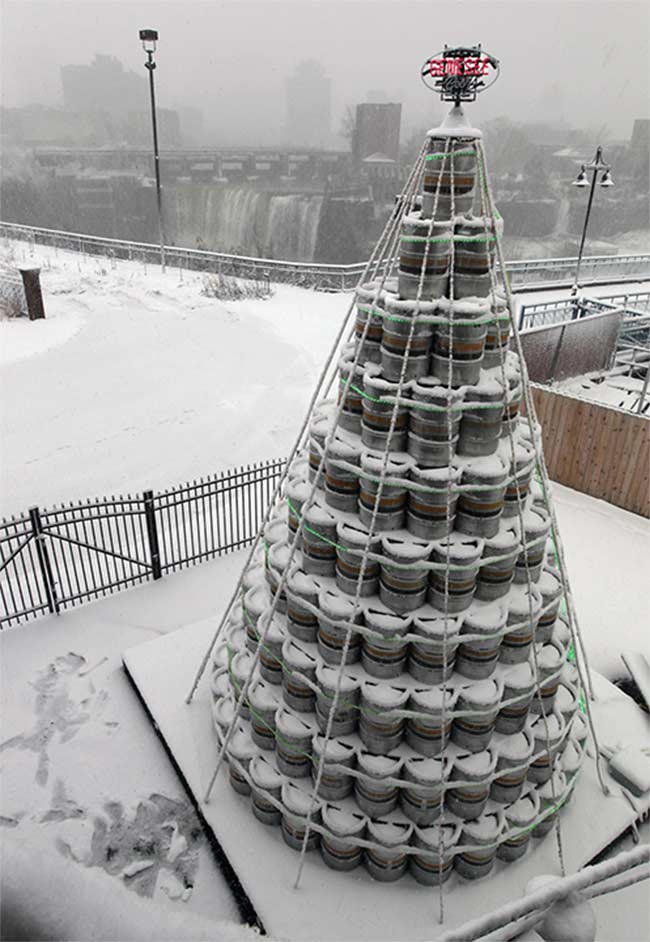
619	392
136	380
66	698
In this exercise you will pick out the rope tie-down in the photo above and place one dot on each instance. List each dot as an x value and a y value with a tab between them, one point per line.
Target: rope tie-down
397	684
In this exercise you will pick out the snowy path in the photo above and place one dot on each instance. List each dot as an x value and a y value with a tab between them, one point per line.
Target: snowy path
136	380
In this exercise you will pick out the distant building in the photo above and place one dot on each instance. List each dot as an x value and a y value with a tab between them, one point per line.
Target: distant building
308	105
104	85
640	139
376	130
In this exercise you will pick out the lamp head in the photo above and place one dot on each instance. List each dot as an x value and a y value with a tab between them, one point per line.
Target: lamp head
607	179
581	179
149	38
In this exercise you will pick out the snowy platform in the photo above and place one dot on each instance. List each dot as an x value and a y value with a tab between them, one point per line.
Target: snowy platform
332	905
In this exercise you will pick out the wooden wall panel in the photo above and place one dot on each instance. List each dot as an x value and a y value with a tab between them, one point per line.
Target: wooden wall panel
595	449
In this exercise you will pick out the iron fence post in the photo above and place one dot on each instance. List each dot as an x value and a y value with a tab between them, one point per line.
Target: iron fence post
44	560
152	534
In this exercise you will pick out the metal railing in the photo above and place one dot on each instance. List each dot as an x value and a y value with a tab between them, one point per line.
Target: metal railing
526	274
554	312
52	560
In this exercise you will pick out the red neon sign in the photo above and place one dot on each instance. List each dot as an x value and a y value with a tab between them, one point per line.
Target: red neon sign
468	66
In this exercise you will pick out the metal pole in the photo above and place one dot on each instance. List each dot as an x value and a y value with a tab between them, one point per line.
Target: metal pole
150	65
594	167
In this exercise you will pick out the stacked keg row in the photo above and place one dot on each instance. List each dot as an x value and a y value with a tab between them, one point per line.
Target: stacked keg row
408	566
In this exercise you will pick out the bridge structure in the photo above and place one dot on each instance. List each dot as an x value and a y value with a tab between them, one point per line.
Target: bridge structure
223	163
524	274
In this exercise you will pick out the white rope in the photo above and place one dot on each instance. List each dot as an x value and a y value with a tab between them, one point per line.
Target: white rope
364	559
553	756
580	653
387	234
450	367
279	588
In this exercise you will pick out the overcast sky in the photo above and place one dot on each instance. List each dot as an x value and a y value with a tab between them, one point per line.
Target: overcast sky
583	62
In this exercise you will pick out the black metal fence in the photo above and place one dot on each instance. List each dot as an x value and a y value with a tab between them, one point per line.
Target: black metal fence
52	560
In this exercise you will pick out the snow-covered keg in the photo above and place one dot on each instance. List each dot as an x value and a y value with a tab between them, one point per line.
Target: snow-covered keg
452	584
388	507
431	511
403	331
524	606
342	474
432	660
425	248
302	599
513	403
421	799
550	658
351	541
346	714
255	602
519	820
337	617
319	541
370	303
240	669
373	794
271	647
474	245
382	722
497	565
384	653
518	691
296	492
298	677
472	772
481	836
297	804
339	847
480	426
241	750
475	715
458	346
519	482
264	704
550	586
387	860
429	728
293	744
435	862
480	503
537	525
571	762
498	333
378	407
566	701
551	798
266	786
403	578
548	733
480	639
433	406
514	753
335	782
277	563
450	166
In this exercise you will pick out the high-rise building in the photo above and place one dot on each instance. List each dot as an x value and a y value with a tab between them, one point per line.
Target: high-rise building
308	105
377	130
104	85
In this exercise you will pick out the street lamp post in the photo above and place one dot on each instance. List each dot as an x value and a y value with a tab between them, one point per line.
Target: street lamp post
596	166
149	38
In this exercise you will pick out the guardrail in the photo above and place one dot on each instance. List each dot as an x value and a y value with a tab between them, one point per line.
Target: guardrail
52	560
525	274
543	313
